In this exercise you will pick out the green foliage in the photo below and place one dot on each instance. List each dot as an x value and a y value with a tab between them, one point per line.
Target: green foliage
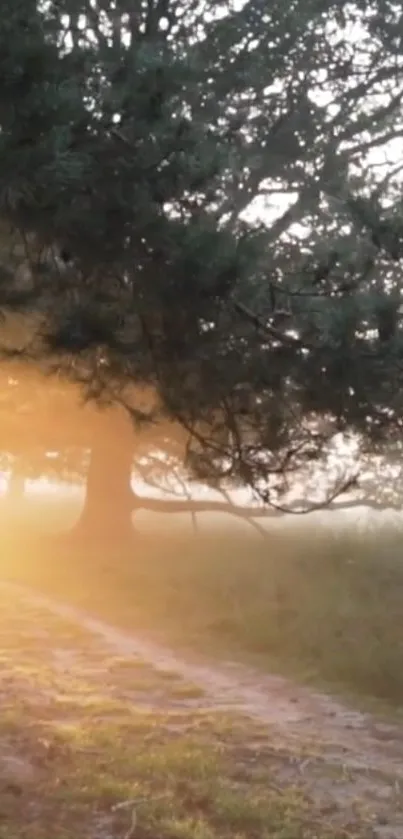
136	141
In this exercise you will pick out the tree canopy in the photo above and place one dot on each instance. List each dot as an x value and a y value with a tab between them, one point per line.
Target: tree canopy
207	196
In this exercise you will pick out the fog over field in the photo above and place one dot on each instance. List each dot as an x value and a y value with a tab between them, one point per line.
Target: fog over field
57	505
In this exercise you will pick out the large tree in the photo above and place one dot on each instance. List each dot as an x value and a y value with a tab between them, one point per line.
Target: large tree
209	240
47	431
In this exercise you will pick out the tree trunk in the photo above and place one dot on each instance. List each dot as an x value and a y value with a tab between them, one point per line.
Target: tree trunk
15	488
108	505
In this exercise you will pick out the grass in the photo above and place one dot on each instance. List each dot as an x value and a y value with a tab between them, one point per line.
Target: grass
96	777
75	764
186	691
321	605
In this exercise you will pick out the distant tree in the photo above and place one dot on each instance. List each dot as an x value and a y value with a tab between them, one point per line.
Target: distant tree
208	237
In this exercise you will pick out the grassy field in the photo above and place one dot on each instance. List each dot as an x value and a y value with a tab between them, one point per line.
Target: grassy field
83	758
129	778
323	605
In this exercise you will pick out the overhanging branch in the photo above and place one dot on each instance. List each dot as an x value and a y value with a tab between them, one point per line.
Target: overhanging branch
162	505
248	513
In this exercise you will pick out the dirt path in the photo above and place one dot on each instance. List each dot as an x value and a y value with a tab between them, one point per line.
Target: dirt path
338	755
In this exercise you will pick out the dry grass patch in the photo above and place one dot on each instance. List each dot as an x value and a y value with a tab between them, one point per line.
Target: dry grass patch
185	690
81	775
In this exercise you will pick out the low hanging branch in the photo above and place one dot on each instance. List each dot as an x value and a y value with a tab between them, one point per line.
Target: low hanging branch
248	513
313	507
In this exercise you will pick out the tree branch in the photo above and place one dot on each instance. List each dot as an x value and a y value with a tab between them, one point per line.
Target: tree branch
163	505
283	337
300	507
251	521
191	506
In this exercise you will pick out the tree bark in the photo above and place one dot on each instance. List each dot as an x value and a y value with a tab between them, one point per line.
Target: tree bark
109	501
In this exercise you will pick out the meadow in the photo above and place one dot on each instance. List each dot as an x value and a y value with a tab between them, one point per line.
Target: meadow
321	603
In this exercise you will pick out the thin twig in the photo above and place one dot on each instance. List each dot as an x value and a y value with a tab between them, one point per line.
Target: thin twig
267	328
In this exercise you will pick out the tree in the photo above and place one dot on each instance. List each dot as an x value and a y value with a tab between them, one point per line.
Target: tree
47	431
135	140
